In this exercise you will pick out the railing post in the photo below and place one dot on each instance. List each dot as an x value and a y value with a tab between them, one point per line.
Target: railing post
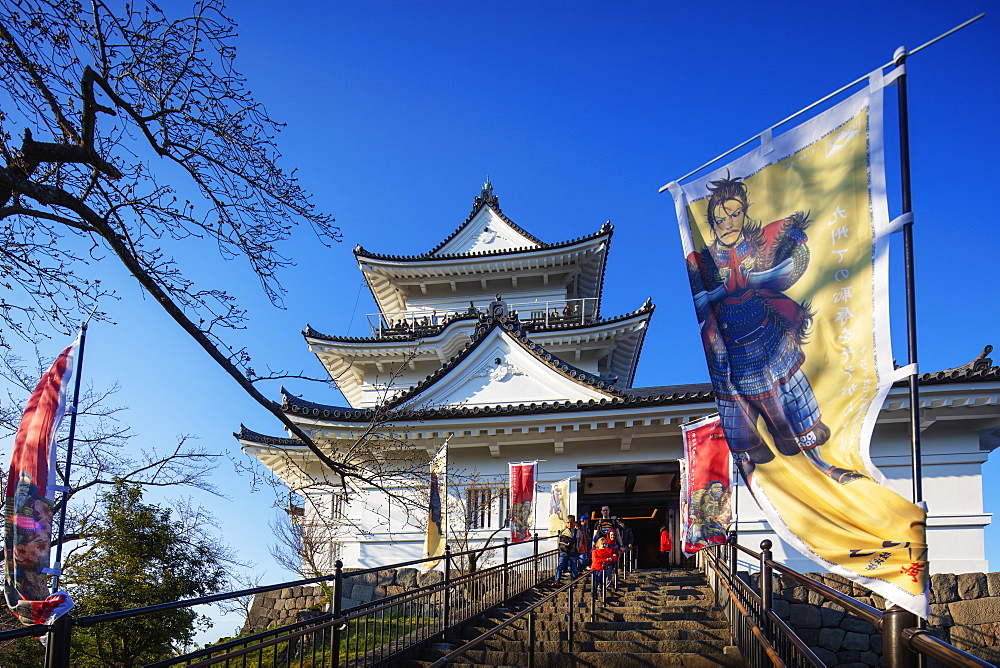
338	607
593	594
506	572
894	653
531	638
447	590
732	556
57	650
765	575
569	621
536	557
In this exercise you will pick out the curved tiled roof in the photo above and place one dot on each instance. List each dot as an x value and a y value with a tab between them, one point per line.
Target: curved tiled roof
298	406
309	332
979	369
498	317
486	198
245	434
607	229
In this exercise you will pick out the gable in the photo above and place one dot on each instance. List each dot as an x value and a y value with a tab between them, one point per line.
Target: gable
501	371
485	232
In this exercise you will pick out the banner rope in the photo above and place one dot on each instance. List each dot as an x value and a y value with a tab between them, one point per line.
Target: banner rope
767	133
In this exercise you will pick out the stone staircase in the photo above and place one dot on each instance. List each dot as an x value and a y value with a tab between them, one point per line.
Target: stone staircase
656	618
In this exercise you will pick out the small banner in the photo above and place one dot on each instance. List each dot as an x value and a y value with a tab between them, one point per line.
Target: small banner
436	536
522	501
558	506
786	250
28	509
708	493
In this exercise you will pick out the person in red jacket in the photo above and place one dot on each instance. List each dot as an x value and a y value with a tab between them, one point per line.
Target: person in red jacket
666	545
601	557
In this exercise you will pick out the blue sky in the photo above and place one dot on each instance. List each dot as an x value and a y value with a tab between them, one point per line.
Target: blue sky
578	112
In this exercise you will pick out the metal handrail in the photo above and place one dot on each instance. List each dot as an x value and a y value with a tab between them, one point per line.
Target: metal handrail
898	641
866	612
475	642
754	628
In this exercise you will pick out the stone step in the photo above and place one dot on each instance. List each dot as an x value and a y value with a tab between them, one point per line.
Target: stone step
578	626
706	646
635	615
479	658
653	618
584	636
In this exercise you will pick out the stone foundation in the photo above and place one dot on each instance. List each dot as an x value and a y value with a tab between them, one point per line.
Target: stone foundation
285	606
965	611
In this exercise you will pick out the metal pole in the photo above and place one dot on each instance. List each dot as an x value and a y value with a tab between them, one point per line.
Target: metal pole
593	594
69	456
536	557
531	638
895	654
506	573
57	651
765	574
447	588
732	556
899	58
338	606
569	621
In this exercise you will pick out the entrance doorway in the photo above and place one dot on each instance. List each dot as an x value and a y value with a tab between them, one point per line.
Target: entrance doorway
645	495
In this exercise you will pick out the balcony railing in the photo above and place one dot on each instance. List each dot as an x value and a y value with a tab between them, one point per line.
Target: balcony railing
428	320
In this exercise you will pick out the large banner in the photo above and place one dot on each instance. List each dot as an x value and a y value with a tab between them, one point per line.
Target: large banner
522	501
707	495
558	506
786	251
437	529
28	511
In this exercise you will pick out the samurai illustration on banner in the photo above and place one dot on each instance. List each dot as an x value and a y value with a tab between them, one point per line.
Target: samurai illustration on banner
707	505
786	252
437	529
558	506
522	501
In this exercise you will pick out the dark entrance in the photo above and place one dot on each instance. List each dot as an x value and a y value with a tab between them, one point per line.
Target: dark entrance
645	495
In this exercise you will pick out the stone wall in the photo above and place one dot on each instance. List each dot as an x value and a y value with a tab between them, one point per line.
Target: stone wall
285	606
965	611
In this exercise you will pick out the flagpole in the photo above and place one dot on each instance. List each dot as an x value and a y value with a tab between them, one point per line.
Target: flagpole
899	59
444	504
69	456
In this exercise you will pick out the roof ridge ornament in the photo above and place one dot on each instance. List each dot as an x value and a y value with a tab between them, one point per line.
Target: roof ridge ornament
498	312
980	364
487	191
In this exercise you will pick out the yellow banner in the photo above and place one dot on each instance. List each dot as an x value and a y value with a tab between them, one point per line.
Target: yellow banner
787	260
437	509
558	506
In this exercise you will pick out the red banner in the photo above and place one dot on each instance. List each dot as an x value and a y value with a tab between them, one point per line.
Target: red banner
522	501
707	494
28	511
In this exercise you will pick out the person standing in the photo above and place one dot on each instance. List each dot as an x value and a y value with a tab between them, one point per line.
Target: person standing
606	525
628	543
569	549
584	523
600	558
666	545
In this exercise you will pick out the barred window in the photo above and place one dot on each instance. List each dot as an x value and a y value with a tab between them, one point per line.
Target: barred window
337	506
487	507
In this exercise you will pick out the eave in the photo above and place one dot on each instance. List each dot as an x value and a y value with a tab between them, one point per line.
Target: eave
391	278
